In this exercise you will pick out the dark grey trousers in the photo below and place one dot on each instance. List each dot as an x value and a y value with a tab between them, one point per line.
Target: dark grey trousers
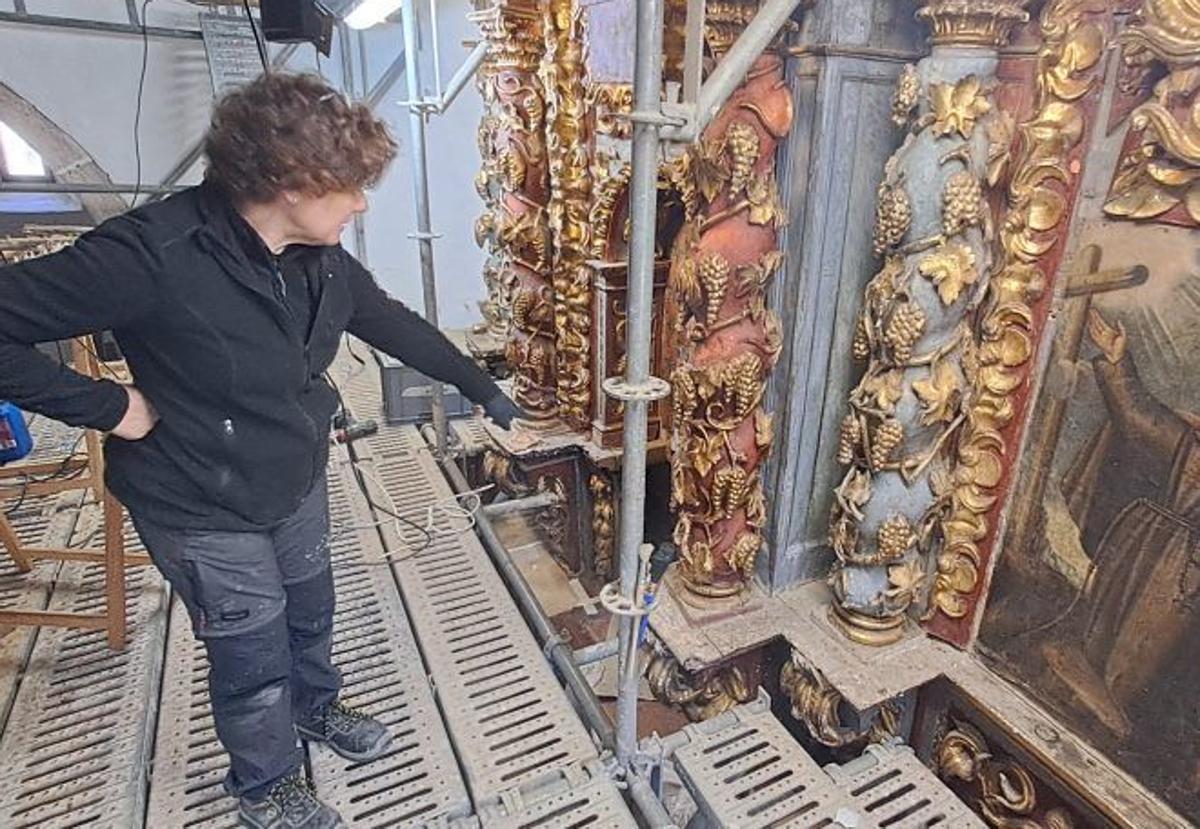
262	603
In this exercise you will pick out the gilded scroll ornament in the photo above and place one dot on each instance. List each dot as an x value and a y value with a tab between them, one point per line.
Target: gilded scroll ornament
608	102
818	705
1003	792
1033	224
1161	171
562	77
702	695
500	469
933	233
610	180
726	340
604	523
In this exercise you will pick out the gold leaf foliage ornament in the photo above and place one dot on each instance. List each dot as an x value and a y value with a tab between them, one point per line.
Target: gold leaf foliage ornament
951	267
905	579
567	133
818	705
608	102
1000	130
957	107
603	523
940	393
1039	176
1163	170
765	206
1002	791
883	390
701	695
709	167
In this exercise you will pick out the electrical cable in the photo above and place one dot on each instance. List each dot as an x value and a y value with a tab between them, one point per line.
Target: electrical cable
262	51
358	476
137	113
60	474
461	507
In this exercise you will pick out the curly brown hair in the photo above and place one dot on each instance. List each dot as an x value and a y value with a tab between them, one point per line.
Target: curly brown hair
293	132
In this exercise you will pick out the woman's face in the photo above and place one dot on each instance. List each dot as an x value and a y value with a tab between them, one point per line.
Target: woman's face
320	220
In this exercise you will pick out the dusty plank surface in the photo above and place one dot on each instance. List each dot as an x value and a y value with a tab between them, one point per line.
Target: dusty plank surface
80	731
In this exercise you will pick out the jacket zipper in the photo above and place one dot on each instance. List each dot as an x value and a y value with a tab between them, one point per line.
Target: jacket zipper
280	290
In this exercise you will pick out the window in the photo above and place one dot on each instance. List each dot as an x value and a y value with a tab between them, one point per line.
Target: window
21	164
19	160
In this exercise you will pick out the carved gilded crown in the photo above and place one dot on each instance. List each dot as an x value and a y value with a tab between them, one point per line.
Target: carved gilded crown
973	22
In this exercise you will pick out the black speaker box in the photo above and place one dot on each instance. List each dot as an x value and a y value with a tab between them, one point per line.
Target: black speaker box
297	21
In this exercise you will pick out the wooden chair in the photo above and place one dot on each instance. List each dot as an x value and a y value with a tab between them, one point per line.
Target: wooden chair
86	472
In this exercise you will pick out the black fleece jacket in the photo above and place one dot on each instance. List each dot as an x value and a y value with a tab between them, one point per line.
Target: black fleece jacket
237	378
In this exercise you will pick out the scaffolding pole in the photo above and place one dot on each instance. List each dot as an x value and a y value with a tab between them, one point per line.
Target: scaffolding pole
345	53
420	184
638	389
98	26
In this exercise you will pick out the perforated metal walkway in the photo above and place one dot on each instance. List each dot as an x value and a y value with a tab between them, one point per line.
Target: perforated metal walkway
78	733
745	770
428	641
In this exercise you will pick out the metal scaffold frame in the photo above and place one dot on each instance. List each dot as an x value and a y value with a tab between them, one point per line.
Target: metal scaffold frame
654	123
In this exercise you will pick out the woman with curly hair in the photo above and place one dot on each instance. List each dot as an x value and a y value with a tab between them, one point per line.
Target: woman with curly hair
228	301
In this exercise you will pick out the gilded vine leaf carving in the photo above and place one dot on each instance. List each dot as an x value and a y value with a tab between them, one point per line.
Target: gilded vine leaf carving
957	107
884	390
951	268
763	195
940	393
905	580
709	168
1000	132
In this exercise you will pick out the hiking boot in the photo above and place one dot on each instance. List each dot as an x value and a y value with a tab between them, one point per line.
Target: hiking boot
290	804
351	733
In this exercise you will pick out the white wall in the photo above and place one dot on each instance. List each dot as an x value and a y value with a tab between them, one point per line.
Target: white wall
87	84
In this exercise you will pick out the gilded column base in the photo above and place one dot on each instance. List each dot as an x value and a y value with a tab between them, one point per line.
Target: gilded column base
713	597
864	629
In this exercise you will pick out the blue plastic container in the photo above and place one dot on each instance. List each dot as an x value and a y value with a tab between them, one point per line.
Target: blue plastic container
15	441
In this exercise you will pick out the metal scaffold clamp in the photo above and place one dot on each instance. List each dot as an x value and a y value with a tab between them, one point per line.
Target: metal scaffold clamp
618	605
644	599
654	388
